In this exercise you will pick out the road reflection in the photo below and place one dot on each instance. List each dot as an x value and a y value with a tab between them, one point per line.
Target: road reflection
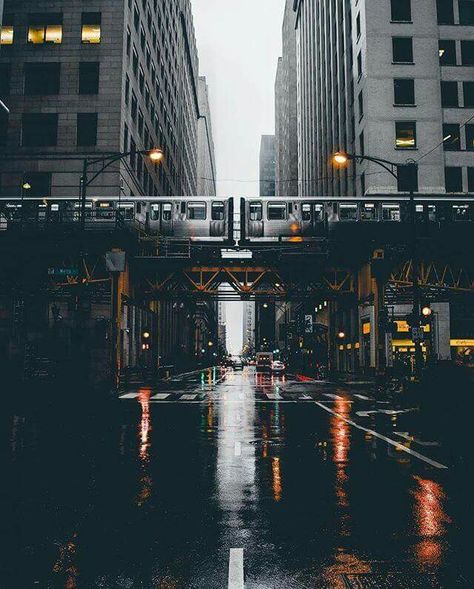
144	432
431	520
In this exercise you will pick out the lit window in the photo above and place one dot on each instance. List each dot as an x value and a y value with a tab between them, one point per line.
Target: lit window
91	28
6	34
45	28
276	211
255	211
197	211
405	135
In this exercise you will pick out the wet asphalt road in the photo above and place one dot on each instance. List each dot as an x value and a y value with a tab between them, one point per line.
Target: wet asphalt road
321	487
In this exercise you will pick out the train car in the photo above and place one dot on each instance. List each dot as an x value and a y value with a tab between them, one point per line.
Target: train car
303	219
199	219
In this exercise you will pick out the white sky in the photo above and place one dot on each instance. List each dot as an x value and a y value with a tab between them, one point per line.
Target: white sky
239	42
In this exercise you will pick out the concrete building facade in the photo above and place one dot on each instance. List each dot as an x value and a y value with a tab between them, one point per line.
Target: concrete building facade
248	327
267	165
112	76
387	79
286	111
206	174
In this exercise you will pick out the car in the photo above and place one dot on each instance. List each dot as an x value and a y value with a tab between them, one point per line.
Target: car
278	367
237	363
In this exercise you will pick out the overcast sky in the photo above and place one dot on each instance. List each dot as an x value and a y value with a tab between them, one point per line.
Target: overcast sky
239	42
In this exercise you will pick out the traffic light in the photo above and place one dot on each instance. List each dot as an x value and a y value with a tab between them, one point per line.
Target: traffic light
146	340
426	315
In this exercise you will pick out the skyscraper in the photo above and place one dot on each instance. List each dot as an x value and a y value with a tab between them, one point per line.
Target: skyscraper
118	76
267	165
286	111
387	79
206	181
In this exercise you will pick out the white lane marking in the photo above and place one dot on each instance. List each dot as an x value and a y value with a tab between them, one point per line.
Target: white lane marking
238	449
236	568
362	397
130	396
274	397
187	397
330	396
306	398
393	443
159	397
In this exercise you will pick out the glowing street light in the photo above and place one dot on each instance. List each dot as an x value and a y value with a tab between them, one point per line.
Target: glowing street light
340	158
427	311
341	335
156	155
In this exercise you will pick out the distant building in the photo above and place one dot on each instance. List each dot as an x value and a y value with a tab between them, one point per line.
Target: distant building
248	327
286	110
267	165
206	174
222	327
387	79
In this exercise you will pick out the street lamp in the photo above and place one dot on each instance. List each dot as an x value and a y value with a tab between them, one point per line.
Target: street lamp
154	154
341	159
341	335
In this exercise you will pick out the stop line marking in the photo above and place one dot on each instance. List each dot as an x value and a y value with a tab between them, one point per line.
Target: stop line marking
238	449
393	443
236	568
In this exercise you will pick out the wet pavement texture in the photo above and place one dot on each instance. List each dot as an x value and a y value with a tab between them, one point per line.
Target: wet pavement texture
322	487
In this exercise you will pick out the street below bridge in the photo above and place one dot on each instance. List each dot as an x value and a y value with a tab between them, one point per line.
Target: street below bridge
216	475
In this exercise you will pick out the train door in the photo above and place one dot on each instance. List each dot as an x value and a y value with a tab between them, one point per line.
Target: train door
255	218
166	226
217	222
307	222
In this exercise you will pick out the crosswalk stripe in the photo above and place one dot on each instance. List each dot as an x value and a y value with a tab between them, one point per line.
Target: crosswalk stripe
273	397
130	396
306	398
330	396
362	397
187	397
159	397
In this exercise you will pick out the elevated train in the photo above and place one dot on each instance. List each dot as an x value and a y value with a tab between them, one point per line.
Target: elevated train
210	220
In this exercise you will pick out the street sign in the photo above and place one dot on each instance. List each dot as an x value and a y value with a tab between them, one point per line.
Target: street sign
63	272
308	324
417	334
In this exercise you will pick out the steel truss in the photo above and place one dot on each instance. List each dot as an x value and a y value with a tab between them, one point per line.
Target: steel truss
248	282
435	275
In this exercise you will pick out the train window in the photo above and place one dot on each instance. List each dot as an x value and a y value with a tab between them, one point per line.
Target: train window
276	211
432	212
290	207
183	208
217	211
166	211
461	212
155	212
318	213
139	208
306	212
255	211
368	212
391	212
197	211
55	207
348	212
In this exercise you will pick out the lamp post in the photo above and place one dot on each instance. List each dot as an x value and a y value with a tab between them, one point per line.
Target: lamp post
155	155
342	159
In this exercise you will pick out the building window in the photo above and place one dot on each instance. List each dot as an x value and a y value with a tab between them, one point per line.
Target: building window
405	134
401	10
361	104
445	12
407	179
134	106
362	143
404	91
470	137
468	91
402	49
86	129
467	52
197	211
39	130
358	26
40	183
5	77
7	31
470	179
451	137
447	52
453	176
466	12
127	89
42	78
91	28
45	28
135	61
89	77
3	129
359	64
449	94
